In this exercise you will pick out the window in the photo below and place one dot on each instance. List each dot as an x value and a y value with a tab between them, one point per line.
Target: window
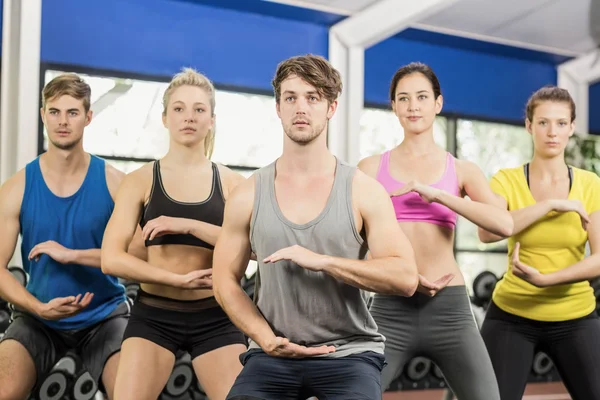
491	146
127	128
380	131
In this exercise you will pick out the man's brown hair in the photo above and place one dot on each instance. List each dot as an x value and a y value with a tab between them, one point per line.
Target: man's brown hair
313	69
70	85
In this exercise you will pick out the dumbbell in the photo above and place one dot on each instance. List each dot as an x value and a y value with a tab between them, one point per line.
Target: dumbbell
181	379
542	364
68	380
418	368
131	290
19	274
483	288
4	317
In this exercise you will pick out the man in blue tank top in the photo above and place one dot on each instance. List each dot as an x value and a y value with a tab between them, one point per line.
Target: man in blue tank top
310	219
60	203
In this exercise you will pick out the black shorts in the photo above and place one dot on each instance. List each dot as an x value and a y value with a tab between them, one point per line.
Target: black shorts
194	326
94	344
264	377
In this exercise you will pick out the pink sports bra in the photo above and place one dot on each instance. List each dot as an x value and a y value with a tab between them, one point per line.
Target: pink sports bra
411	207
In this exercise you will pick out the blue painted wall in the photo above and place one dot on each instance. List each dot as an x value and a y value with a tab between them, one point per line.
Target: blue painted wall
473	83
595	108
240	48
158	37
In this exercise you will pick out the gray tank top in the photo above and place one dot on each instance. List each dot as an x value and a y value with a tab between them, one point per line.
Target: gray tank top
311	308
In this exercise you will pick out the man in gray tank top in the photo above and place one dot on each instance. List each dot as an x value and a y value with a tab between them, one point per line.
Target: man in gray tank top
310	219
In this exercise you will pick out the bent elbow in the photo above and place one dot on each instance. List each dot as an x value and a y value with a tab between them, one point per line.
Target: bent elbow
107	263
507	227
407	285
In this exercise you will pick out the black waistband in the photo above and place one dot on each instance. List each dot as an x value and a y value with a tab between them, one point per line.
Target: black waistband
168	303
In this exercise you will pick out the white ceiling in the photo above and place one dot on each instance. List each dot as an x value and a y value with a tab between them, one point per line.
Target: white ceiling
556	26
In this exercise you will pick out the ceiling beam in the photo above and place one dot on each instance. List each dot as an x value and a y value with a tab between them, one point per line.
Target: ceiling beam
576	76
384	19
348	40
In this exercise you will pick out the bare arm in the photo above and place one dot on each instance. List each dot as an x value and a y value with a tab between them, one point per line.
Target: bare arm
230	261
120	232
11	195
391	267
482	209
523	219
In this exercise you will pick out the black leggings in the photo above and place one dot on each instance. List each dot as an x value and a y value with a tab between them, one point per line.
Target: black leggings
573	346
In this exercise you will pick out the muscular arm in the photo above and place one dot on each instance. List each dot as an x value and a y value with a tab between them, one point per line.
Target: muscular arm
482	209
523	218
120	232
230	261
11	195
391	267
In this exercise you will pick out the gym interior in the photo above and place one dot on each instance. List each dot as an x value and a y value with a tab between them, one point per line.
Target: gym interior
489	55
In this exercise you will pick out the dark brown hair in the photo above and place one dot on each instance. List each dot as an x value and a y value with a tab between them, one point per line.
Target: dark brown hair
549	93
313	69
412	68
70	85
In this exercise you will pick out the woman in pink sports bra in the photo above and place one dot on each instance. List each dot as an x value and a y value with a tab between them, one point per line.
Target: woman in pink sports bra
427	186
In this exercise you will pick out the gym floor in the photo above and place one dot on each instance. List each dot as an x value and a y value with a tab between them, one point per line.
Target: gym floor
534	391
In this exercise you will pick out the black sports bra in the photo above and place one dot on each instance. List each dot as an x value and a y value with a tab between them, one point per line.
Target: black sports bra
210	210
526	171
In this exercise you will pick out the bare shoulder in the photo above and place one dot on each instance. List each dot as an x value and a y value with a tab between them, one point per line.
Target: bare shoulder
137	181
467	170
113	178
370	165
367	189
11	193
238	208
229	179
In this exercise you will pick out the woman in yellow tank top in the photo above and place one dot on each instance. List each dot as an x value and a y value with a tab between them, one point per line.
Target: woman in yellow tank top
544	302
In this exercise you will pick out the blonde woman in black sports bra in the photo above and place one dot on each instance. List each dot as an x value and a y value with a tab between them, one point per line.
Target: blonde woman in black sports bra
179	202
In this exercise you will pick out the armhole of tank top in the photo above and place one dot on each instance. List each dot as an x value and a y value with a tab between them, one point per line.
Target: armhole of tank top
102	171
349	203
217	181
29	175
255	207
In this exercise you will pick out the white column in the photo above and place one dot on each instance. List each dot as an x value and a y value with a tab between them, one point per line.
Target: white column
348	40
21	37
576	76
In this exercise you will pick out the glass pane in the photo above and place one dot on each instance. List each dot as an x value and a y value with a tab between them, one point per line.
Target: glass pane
127	118
472	264
380	131
491	146
248	131
126	166
127	122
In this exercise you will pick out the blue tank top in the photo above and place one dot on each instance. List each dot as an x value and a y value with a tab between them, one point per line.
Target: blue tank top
76	222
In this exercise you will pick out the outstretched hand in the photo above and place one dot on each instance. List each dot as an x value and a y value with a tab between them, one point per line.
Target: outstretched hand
282	347
432	288
299	255
64	307
427	193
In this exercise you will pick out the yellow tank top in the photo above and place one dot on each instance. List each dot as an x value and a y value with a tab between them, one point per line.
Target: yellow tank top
554	242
